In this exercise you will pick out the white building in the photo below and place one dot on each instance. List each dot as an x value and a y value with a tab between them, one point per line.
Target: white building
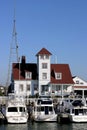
41	77
80	86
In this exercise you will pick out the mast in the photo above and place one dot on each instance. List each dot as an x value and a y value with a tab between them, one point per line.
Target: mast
13	57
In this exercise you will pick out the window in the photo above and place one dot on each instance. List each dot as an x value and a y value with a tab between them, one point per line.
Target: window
44	75
44	88
65	88
44	65
81	83
42	57
50	109
12	109
47	56
21	87
28	75
22	109
58	87
77	81
28	87
42	109
35	87
58	75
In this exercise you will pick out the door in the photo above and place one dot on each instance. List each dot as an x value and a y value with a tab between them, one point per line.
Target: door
46	110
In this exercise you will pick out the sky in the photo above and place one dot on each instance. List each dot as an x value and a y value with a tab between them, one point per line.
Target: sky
60	26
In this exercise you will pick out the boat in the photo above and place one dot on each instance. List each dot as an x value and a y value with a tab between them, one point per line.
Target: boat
15	110
77	112
74	110
44	110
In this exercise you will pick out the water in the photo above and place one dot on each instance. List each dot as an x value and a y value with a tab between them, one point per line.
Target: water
44	126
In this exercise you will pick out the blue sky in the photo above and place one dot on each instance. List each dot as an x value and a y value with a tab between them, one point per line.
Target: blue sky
58	25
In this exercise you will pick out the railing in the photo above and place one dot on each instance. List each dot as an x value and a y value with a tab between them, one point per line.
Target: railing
4	99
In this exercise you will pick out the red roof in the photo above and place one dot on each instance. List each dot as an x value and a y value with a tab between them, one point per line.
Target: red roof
43	51
27	67
65	72
55	68
32	67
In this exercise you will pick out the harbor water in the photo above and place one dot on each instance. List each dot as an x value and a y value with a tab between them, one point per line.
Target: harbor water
44	126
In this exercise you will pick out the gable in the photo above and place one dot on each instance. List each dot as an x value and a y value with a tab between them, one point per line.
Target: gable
43	51
79	82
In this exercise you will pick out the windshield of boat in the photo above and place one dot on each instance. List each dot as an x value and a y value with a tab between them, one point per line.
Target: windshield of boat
44	102
15	109
22	109
12	109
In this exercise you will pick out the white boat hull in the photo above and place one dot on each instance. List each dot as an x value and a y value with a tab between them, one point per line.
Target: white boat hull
78	118
46	118
17	120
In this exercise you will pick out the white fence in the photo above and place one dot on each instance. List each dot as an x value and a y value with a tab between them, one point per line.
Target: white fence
3	100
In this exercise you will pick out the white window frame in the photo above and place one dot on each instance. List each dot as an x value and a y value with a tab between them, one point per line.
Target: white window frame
28	87
77	81
21	88
35	87
44	65
28	75
44	75
41	56
58	75
47	56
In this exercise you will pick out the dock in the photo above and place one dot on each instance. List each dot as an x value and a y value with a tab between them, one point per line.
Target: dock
63	118
2	118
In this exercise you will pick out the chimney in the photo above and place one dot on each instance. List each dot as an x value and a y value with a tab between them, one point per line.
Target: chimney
23	65
23	60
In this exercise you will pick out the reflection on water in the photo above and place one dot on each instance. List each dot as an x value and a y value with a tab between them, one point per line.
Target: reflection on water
79	126
44	126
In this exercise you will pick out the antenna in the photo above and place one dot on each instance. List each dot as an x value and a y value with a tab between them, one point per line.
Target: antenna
13	57
14	45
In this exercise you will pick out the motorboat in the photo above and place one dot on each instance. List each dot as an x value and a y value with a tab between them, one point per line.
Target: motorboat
77	111
78	114
44	110
15	110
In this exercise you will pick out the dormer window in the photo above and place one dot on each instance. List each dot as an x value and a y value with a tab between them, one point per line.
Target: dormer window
28	75
58	76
